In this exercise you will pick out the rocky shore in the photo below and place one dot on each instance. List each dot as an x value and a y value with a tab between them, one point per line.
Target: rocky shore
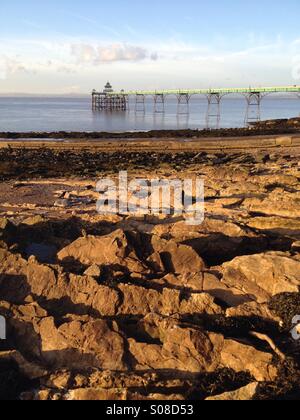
262	128
149	308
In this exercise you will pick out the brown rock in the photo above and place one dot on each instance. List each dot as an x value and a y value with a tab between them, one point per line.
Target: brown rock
19	278
34	220
140	301
244	358
93	271
13	282
7	230
76	341
94	394
253	309
296	246
178	259
184	350
243	394
85	343
284	141
214	287
86	291
189	349
262	276
277	225
112	249
28	369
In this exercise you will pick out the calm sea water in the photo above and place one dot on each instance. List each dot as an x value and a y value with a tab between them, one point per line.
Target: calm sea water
75	114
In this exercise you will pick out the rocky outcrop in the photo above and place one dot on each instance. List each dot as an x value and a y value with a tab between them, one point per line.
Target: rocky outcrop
262	276
109	250
76	341
145	308
193	350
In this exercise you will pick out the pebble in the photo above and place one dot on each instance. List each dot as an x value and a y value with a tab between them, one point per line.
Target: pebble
63	203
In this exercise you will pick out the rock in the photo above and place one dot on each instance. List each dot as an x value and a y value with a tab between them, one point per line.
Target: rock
98	394
140	301
243	394
281	204
185	350
77	341
229	202
206	282
34	220
13	281
28	369
90	394
7	230
181	232
93	271
63	203
85	292
19	278
163	310
296	246
88	343
155	262
113	249
284	141
244	358
189	349
178	259
281	226
199	303
219	290
262	276
253	310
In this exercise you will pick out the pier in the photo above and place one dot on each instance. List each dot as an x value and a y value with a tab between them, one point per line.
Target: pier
109	100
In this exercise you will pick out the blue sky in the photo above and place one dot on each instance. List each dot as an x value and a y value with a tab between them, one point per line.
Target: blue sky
74	46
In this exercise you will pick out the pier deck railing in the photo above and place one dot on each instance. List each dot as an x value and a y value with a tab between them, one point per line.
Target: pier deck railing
113	101
224	91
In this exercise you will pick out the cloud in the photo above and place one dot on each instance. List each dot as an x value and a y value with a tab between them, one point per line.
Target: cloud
85	63
15	66
90	54
10	66
66	69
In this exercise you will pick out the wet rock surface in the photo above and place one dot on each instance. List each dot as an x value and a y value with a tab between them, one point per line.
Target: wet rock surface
123	307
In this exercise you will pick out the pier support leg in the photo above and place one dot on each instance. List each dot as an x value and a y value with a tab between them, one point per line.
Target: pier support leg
140	103
159	103
298	96
213	116
127	102
183	106
253	113
104	102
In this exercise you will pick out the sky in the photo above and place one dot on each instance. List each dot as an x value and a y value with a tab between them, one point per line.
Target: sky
74	46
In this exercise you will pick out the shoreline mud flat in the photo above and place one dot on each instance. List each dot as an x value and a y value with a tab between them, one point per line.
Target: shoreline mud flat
115	307
261	128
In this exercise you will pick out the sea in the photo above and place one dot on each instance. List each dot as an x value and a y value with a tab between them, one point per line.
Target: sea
26	114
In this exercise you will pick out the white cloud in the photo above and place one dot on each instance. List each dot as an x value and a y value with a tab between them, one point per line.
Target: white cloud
91	54
11	66
59	63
